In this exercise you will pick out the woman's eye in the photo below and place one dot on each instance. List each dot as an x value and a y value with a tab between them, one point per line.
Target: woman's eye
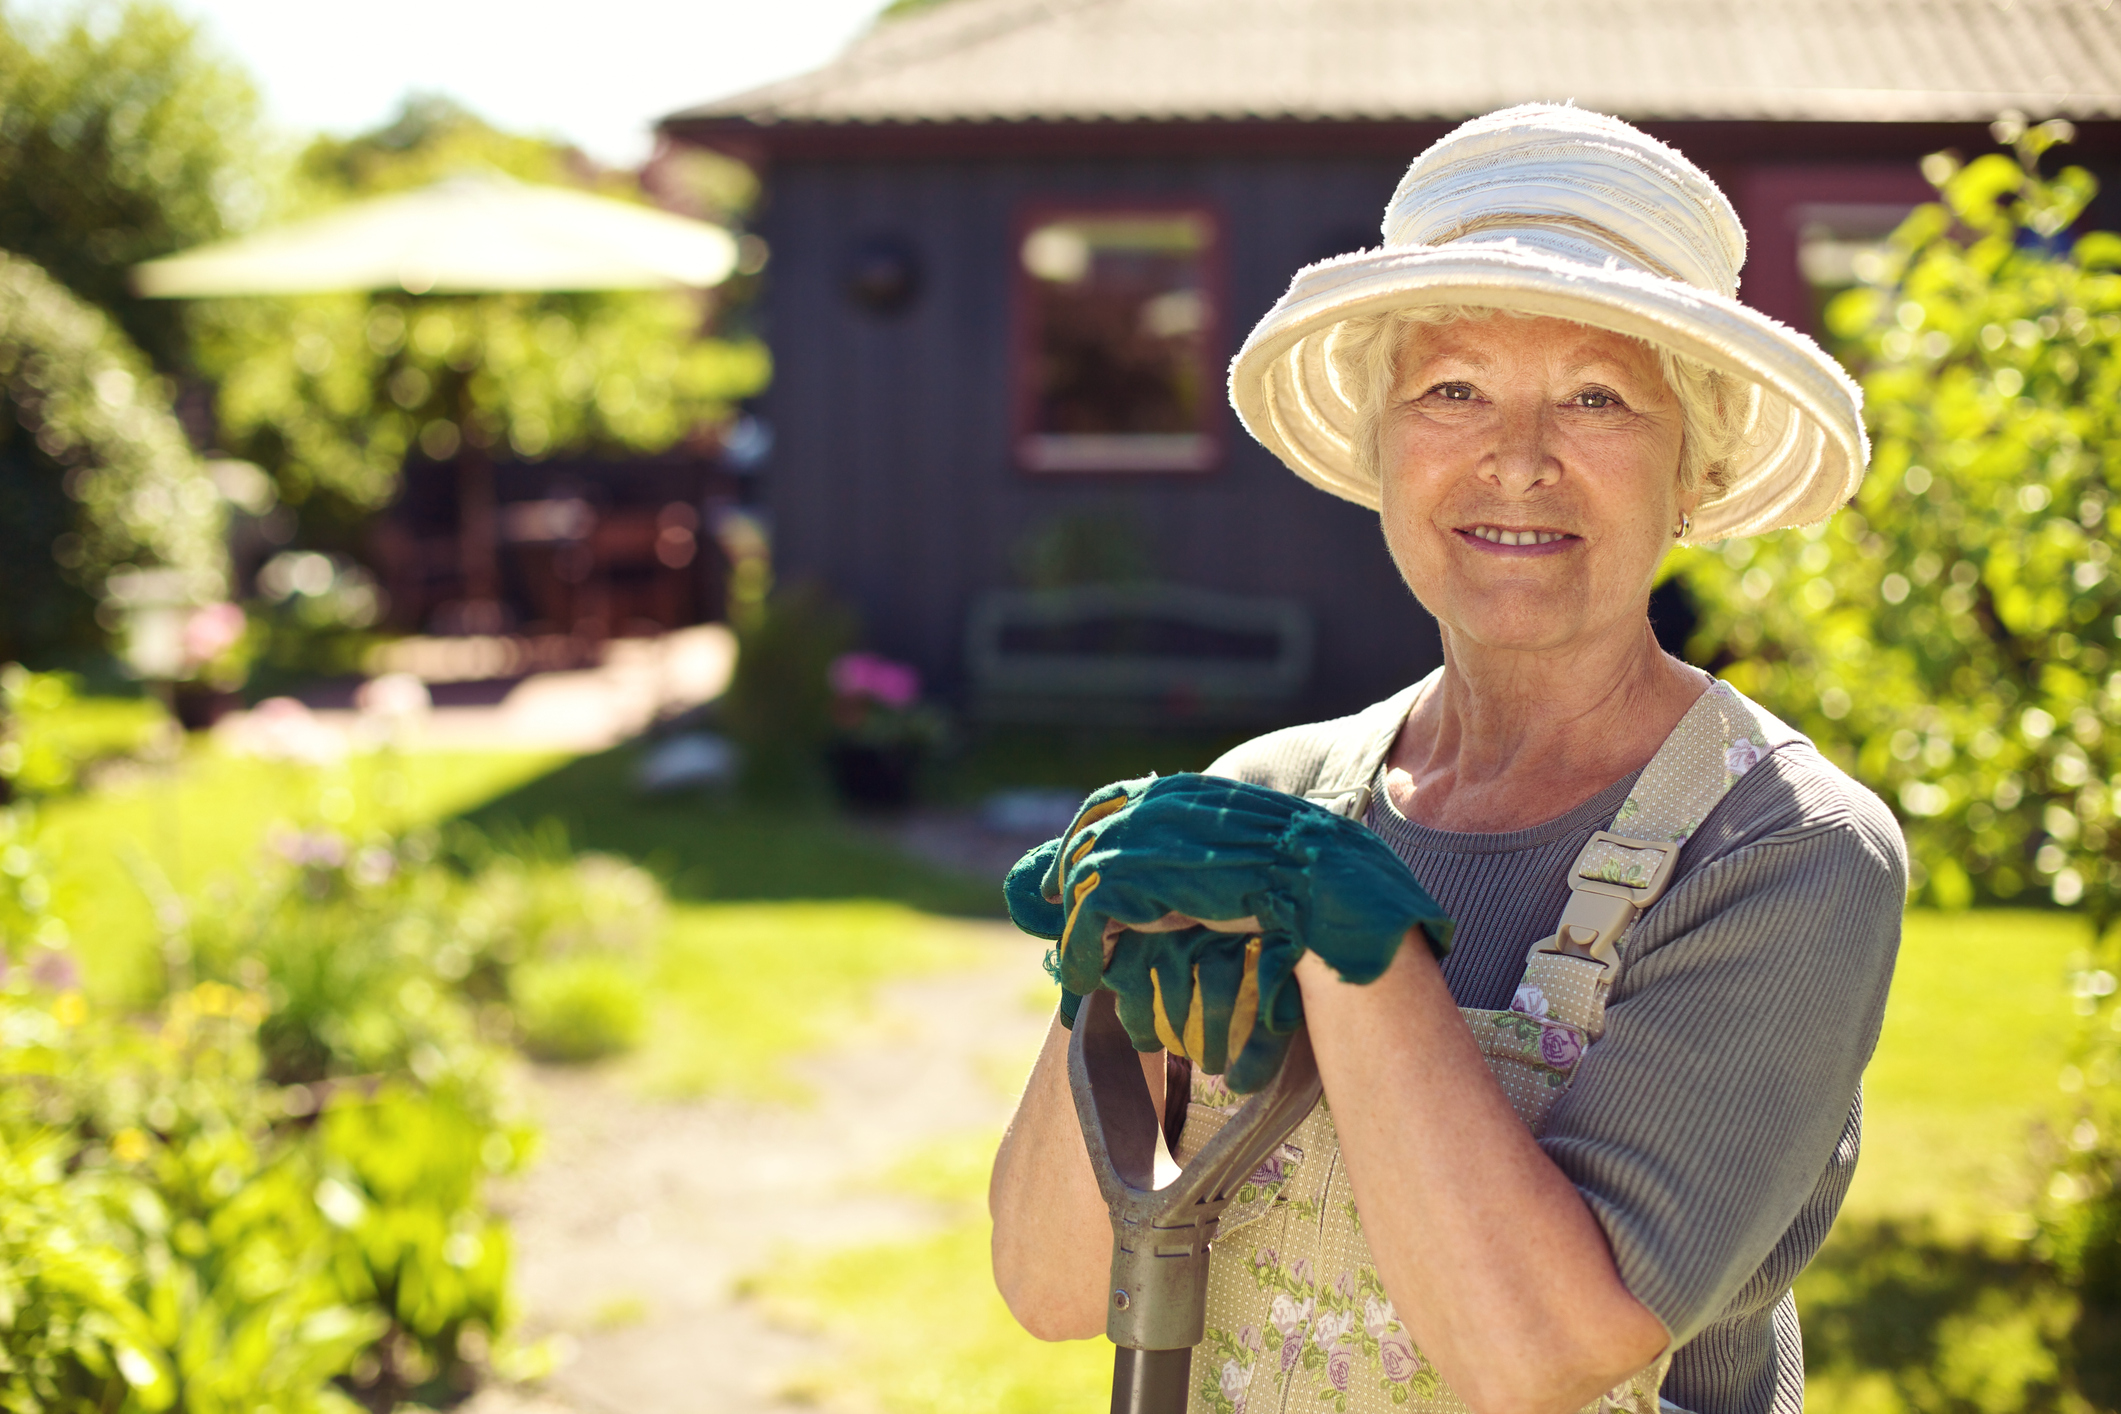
1596	398
1454	392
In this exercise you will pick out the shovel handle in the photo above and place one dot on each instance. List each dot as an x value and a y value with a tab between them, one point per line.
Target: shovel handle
1150	1381
1157	1311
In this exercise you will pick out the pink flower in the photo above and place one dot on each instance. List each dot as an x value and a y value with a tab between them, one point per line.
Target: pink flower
1248	1337
878	679
1397	1354
212	631
1742	756
1232	1380
1529	1000
55	970
1291	1347
321	850
1339	1366
1300	1271
1377	1317
282	729
1559	1047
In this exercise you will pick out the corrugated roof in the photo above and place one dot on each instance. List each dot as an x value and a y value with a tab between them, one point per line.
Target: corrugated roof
1181	60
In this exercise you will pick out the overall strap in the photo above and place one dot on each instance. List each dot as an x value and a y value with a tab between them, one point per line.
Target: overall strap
1625	869
1345	777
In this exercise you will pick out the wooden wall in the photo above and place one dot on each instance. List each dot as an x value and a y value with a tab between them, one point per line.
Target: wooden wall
891	479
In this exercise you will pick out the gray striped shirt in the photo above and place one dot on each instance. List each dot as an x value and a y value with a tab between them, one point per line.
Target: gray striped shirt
1714	1128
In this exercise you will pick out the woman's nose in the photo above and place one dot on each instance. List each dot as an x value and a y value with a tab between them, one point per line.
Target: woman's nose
1521	459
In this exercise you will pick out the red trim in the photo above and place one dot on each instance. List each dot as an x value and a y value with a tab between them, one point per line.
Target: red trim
1214	337
1768	199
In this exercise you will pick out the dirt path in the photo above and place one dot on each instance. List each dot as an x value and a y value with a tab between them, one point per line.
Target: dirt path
640	1218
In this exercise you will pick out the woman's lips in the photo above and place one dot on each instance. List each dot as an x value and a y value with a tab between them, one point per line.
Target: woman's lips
1514	541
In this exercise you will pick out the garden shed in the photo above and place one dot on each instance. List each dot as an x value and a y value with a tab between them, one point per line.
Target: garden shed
1014	243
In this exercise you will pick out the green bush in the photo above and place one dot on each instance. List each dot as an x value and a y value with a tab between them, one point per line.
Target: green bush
163	1246
779	703
1957	648
50	733
580	1008
404	1172
178	1232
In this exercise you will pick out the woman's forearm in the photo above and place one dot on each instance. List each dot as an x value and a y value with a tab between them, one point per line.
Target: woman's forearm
1052	1238
1490	1255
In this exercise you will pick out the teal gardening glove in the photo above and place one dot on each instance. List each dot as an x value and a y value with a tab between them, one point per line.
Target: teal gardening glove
1277	874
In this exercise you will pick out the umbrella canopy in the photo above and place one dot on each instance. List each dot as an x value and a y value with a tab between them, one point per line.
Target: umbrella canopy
468	234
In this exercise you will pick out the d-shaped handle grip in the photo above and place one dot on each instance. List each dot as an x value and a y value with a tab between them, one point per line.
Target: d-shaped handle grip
1160	1238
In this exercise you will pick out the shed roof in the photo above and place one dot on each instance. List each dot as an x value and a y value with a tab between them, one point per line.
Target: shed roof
980	61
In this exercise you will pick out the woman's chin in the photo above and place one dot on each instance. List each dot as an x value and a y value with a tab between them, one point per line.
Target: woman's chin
1516	623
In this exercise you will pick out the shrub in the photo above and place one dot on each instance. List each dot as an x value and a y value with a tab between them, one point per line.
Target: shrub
580	1008
779	703
163	1247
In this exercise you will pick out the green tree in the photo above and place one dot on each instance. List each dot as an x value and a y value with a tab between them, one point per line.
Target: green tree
123	137
1953	630
95	474
333	393
1951	634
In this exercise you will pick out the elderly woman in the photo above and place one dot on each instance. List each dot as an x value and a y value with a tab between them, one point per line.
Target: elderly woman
1578	1161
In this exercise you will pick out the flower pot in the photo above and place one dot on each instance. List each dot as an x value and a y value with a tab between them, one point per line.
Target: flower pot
873	777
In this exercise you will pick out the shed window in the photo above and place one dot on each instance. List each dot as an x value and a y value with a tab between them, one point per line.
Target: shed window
1118	319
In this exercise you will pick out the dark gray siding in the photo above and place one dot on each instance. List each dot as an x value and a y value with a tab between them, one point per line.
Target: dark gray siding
891	479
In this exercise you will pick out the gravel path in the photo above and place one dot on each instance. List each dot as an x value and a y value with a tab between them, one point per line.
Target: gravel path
635	1226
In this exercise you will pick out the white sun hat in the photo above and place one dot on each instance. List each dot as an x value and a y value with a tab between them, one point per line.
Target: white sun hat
1554	210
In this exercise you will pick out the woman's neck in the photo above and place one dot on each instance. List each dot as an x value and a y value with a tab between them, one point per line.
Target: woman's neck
1510	739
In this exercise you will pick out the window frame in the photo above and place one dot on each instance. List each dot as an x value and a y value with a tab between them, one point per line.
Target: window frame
1212	425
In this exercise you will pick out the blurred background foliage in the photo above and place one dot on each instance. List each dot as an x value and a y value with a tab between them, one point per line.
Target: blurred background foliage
95	473
375	378
1950	639
1952	632
123	137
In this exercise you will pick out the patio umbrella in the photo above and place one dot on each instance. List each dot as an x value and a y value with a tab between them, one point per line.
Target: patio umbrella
479	233
473	234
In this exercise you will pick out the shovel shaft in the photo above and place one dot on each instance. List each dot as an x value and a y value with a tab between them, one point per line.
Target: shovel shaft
1161	1236
1150	1381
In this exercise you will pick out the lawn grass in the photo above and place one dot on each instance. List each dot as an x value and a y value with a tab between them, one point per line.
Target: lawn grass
919	1324
204	818
1924	1297
743	988
707	846
1920	1300
1977	1030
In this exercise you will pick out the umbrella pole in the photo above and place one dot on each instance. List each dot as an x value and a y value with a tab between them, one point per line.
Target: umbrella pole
478	526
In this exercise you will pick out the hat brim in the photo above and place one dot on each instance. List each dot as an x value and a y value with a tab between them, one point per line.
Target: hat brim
1804	451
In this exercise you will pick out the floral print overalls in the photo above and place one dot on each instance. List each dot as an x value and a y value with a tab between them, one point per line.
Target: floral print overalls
1297	1316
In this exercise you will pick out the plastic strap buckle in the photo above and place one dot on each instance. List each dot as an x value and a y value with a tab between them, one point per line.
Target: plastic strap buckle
1600	908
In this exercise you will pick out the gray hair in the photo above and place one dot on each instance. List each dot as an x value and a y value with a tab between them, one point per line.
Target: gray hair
1716	409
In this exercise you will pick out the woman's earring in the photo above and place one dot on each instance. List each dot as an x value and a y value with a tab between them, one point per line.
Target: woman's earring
1686	523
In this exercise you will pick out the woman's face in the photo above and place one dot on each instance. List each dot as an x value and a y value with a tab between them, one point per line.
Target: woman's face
1530	479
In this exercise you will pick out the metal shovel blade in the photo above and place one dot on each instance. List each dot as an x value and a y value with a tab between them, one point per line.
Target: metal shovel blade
1160	1237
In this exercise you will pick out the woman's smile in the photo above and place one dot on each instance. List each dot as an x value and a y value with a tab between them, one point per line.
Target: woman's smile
1517	542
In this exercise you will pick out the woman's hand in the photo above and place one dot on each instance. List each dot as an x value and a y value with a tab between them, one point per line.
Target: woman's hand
1488	1252
1191	897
